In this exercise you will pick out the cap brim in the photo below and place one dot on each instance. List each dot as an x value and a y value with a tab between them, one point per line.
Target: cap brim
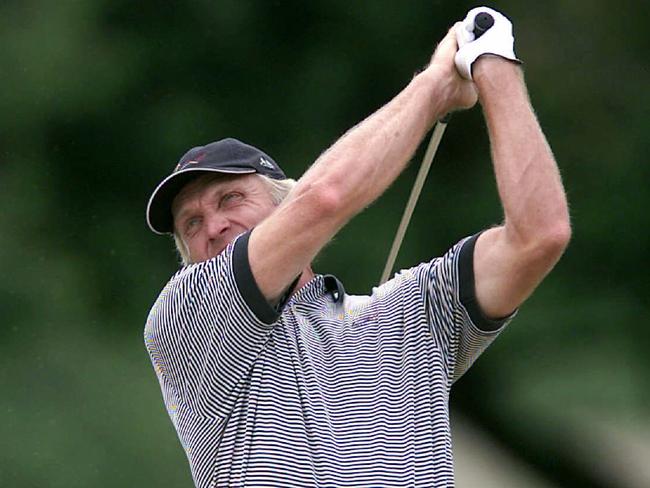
159	208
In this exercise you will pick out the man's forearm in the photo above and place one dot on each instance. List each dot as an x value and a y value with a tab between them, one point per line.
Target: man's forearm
368	158
527	176
354	172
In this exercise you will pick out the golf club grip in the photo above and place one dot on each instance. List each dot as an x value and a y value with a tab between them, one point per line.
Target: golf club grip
482	22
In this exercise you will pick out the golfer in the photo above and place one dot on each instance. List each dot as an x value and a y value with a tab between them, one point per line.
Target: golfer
273	375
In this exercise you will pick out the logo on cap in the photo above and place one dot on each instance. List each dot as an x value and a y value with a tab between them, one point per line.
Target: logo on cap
183	164
266	163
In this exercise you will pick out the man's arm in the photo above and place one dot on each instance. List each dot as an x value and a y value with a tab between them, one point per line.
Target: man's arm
354	172
511	260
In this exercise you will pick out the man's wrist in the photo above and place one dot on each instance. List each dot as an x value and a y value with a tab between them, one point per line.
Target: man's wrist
498	80
501	89
442	85
492	67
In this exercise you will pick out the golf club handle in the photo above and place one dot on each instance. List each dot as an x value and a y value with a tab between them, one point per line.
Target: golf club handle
482	22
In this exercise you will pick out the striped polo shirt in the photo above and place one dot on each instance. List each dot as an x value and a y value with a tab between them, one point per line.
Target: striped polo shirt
332	390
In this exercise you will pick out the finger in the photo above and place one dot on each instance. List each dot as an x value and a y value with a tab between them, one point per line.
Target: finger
448	43
464	33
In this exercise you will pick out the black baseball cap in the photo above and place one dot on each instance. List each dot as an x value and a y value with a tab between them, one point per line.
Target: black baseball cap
228	156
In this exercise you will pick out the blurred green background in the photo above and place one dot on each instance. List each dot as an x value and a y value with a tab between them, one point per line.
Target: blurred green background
98	100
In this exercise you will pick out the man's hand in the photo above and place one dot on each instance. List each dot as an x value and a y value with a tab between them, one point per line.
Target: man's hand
460	94
497	40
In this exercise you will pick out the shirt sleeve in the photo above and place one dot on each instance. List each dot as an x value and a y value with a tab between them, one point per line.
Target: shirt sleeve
457	323
206	330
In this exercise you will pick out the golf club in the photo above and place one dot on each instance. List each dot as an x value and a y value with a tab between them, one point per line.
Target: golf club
482	22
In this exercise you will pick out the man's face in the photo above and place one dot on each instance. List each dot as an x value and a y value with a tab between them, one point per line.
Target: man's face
209	216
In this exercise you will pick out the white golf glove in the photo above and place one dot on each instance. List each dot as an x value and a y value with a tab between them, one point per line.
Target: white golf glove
497	40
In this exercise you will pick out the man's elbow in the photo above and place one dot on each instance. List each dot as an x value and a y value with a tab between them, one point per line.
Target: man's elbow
553	241
329	200
319	200
541	244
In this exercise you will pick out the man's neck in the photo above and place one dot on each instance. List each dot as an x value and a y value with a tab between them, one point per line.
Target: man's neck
306	276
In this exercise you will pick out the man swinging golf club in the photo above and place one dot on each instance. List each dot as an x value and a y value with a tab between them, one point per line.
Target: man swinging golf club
274	376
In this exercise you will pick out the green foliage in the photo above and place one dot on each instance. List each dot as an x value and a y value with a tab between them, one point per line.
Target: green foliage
100	98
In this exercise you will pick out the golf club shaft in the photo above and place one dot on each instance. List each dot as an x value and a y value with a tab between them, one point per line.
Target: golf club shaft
438	131
482	22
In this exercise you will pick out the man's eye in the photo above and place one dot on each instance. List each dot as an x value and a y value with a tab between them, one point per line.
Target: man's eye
192	225
230	197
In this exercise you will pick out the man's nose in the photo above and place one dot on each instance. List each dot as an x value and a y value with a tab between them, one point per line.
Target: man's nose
216	225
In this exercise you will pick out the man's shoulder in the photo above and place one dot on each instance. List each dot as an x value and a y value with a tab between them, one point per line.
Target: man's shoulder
220	263
194	279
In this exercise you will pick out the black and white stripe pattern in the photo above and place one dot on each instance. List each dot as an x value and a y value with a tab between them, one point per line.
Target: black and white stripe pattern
331	393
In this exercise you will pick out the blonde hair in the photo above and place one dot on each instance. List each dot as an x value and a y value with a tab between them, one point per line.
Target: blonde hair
278	190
